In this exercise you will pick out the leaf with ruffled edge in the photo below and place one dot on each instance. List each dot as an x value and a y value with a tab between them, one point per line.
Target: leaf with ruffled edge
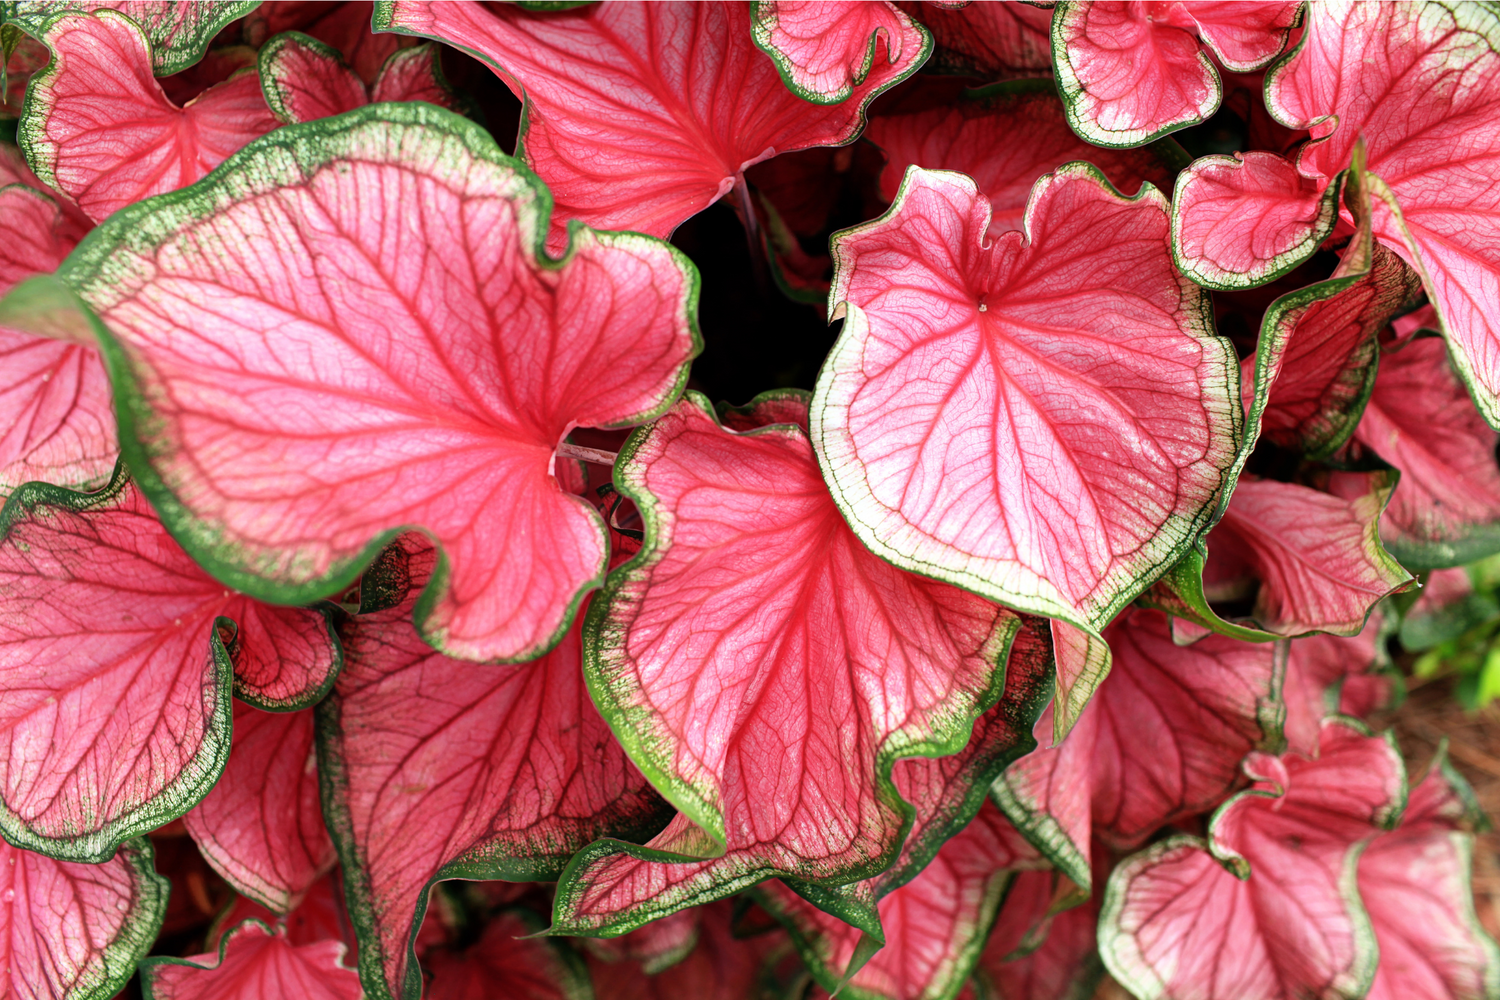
824	50
1446	507
56	422
1046	419
1130	73
766	672
434	768
254	962
1207	705
98	127
304	79
76	931
1006	136
438	357
261	826
991	41
640	116
117	655
1269	905
178	32
1318	667
1415	883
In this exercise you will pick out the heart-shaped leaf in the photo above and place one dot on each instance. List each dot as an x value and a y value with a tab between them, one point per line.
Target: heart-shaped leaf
770	705
1005	137
1208	704
510	961
1268	907
76	931
825	50
1130	73
261	826
177	32
118	654
434	397
98	127
434	769
254	962
54	396
1446	508
1415	884
304	79
1053	449
639	116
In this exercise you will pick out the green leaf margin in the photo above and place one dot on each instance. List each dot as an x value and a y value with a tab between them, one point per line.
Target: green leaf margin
763	20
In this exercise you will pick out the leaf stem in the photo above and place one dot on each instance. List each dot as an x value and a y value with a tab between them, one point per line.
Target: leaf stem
582	454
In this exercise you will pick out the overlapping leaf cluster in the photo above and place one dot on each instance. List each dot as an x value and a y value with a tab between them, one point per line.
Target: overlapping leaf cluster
363	515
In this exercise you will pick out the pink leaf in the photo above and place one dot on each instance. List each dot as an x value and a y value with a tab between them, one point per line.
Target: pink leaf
722	966
178	33
1446	508
1316	667
261	826
303	79
1243	220
1177	922
992	41
1313	561
345	26
1416	886
1206	705
1062	967
436	769
99	129
56	422
1005	137
254	962
118	718
434	398
1050	469
639	116
934	925
1385	72
76	930
705	652
1132	72
509	961
320	916
824	50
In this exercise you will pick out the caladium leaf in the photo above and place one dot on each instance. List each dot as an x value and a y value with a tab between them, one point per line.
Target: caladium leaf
1317	666
639	116
98	127
722	966
1208	704
320	916
401	417
992	41
178	33
254	962
76	931
54	396
1268	906
823	51
1446	508
1005	137
434	769
1130	73
119	663
658	945
934	926
1050	470
1064	966
345	26
1384	72
1245	219
261	826
709	689
509	961
1312	560
26	57
304	79
1415	885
